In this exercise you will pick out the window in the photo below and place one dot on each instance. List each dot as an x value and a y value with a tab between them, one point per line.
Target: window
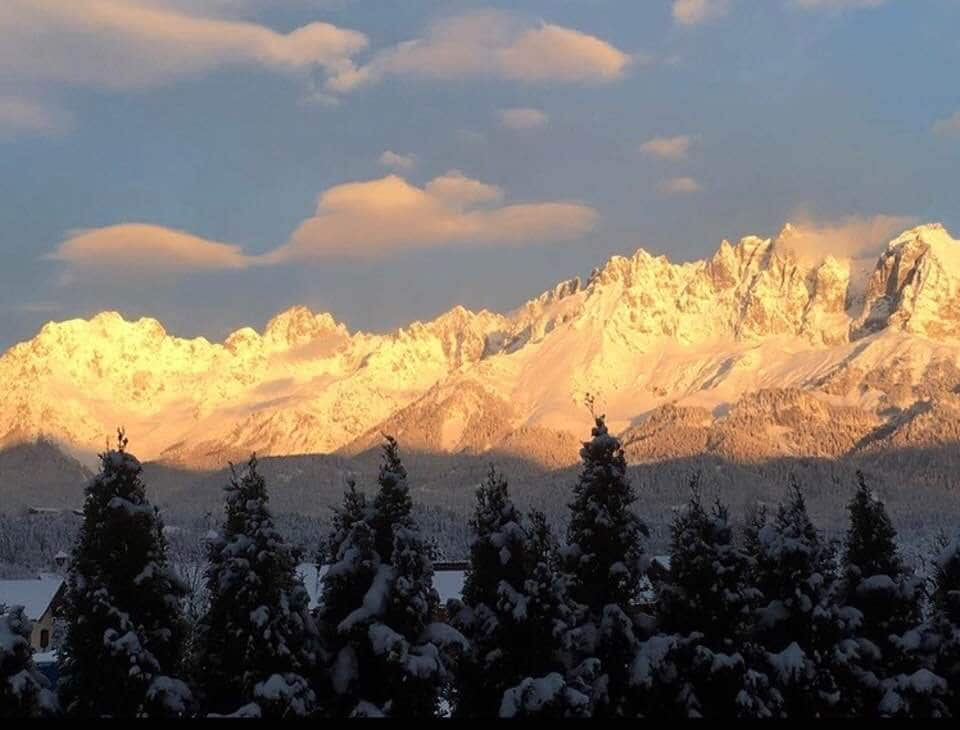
44	639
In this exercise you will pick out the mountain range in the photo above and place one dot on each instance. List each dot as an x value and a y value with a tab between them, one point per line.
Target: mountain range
761	351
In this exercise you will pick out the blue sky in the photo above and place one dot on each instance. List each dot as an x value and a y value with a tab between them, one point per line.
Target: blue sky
210	162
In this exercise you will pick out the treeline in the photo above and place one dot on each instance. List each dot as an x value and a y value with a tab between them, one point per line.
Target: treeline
769	621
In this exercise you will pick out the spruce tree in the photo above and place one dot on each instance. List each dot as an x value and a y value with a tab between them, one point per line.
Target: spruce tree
24	691
884	597
122	652
925	665
389	655
706	604
257	643
605	558
393	506
514	609
945	620
798	623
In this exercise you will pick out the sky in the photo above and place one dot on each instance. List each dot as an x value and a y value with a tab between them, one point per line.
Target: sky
212	162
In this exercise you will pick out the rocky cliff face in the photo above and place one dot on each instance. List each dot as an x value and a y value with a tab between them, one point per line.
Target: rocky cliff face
757	350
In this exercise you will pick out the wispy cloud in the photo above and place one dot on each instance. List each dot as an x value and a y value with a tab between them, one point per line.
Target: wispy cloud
669	148
522	118
695	12
22	117
680	186
122	44
398	161
493	44
950	125
852	236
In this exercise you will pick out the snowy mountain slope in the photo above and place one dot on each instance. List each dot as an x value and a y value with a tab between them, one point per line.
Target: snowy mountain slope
759	350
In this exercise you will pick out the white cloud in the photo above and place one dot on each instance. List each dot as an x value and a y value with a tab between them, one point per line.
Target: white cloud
492	44
377	217
124	44
145	248
398	161
522	118
950	125
852	236
680	186
669	148
24	117
695	12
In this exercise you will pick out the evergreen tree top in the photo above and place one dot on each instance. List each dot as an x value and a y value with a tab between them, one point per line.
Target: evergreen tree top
870	544
494	506
393	506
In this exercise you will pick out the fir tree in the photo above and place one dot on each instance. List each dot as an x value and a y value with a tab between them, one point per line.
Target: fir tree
514	609
390	658
605	558
123	647
354	563
706	603
393	507
24	691
798	623
945	620
257	642
885	600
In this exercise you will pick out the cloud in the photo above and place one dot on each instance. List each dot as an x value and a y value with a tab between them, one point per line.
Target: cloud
668	148
398	161
492	44
148	249
837	4
377	217
19	117
680	186
352	220
950	125
853	236
124	44
695	12
522	118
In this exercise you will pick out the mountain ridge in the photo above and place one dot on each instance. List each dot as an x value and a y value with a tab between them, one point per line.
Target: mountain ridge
640	334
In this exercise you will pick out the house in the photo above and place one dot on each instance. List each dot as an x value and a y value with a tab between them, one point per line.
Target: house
41	598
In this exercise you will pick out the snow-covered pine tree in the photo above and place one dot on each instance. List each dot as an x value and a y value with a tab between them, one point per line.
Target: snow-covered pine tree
122	652
797	623
945	619
885	598
24	691
353	563
257	643
393	506
924	669
514	609
606	560
390	656
706	603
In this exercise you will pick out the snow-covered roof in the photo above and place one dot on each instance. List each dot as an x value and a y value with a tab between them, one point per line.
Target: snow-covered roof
449	583
34	594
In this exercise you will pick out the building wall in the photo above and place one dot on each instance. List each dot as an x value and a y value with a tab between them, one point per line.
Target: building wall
44	623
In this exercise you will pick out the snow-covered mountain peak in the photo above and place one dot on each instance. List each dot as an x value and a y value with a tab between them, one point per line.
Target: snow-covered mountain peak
642	332
299	326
